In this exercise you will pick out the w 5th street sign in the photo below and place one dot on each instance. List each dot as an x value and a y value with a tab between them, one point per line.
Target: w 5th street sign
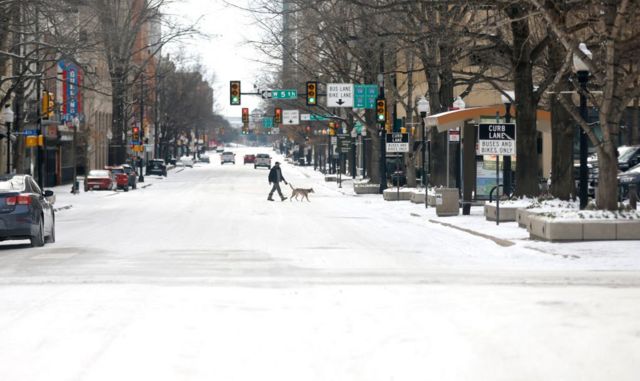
284	94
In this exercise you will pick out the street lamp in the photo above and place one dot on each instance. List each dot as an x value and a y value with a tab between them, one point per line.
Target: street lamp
7	117
423	109
76	125
582	71
506	174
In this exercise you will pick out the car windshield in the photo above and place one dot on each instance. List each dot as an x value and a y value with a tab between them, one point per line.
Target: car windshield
14	183
625	153
99	173
263	156
635	169
117	170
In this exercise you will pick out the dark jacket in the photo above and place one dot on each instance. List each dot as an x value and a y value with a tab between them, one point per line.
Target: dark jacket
276	173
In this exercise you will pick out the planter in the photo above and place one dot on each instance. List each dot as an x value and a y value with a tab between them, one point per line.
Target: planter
392	194
431	200
550	229
366	188
417	198
507	213
333	178
522	217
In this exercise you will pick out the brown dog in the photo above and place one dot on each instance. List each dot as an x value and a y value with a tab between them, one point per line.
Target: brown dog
303	192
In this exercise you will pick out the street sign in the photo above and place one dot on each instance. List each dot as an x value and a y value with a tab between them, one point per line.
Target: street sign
267	122
344	143
290	117
284	94
454	135
397	142
30	132
339	95
313	117
365	96
497	139
275	130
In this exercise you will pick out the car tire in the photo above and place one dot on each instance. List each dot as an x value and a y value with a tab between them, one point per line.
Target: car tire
126	189
255	167
38	239
52	235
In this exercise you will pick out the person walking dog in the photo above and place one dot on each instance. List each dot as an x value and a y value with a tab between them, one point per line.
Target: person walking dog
275	177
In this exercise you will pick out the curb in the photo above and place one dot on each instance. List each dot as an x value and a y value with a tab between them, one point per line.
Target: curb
500	242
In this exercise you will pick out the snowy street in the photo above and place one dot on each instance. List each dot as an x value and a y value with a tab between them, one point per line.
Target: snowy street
198	277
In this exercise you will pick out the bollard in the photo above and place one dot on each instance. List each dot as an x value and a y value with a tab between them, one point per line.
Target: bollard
633	196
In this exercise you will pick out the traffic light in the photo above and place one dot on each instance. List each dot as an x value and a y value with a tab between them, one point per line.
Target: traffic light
332	128
245	115
48	105
234	93
381	111
135	135
277	115
312	96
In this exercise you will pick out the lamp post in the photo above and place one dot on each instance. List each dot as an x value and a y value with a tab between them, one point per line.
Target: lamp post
582	71
76	124
506	171
7	117
423	109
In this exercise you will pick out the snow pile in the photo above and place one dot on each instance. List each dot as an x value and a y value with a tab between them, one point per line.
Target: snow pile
601	215
539	204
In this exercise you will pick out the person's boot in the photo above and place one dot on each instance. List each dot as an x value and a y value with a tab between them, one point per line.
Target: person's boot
283	198
270	199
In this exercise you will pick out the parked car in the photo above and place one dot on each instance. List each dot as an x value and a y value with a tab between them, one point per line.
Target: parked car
156	167
99	179
121	177
628	156
249	158
25	211
228	157
627	178
132	174
220	149
262	160
186	161
204	158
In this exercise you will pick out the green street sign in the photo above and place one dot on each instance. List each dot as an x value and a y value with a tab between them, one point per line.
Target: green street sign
267	122
358	126
284	94
364	96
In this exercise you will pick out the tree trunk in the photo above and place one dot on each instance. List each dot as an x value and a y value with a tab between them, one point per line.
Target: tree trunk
607	193
117	152
562	132
527	170
635	124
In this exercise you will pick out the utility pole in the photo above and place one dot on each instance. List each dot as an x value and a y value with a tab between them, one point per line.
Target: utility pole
141	178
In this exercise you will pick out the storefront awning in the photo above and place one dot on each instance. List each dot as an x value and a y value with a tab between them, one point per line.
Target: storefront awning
456	118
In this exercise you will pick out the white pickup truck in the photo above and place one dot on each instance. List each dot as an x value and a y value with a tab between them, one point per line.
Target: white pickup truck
262	160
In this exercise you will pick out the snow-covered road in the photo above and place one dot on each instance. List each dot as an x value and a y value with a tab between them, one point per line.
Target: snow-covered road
198	277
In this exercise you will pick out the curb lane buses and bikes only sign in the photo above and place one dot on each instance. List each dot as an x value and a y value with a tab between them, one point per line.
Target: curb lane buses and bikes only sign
497	139
397	142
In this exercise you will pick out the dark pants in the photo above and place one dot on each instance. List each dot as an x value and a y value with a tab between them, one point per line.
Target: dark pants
276	187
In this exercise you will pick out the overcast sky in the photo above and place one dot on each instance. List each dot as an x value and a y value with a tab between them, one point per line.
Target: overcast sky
225	53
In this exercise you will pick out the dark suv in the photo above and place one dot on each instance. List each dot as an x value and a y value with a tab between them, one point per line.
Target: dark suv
156	167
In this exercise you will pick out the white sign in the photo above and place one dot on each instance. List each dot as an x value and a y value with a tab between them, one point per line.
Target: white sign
496	147
397	147
454	135
290	117
305	117
340	95
275	130
334	140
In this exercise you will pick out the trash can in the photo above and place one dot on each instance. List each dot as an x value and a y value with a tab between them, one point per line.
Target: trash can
447	202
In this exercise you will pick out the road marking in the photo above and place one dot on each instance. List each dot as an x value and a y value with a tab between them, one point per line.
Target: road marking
53	256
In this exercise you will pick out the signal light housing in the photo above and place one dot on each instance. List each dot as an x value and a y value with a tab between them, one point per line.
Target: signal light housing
245	115
135	135
312	93
234	93
381	111
277	115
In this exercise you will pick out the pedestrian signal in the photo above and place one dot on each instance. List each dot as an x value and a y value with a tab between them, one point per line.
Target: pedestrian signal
277	115
234	93
381	111
312	98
